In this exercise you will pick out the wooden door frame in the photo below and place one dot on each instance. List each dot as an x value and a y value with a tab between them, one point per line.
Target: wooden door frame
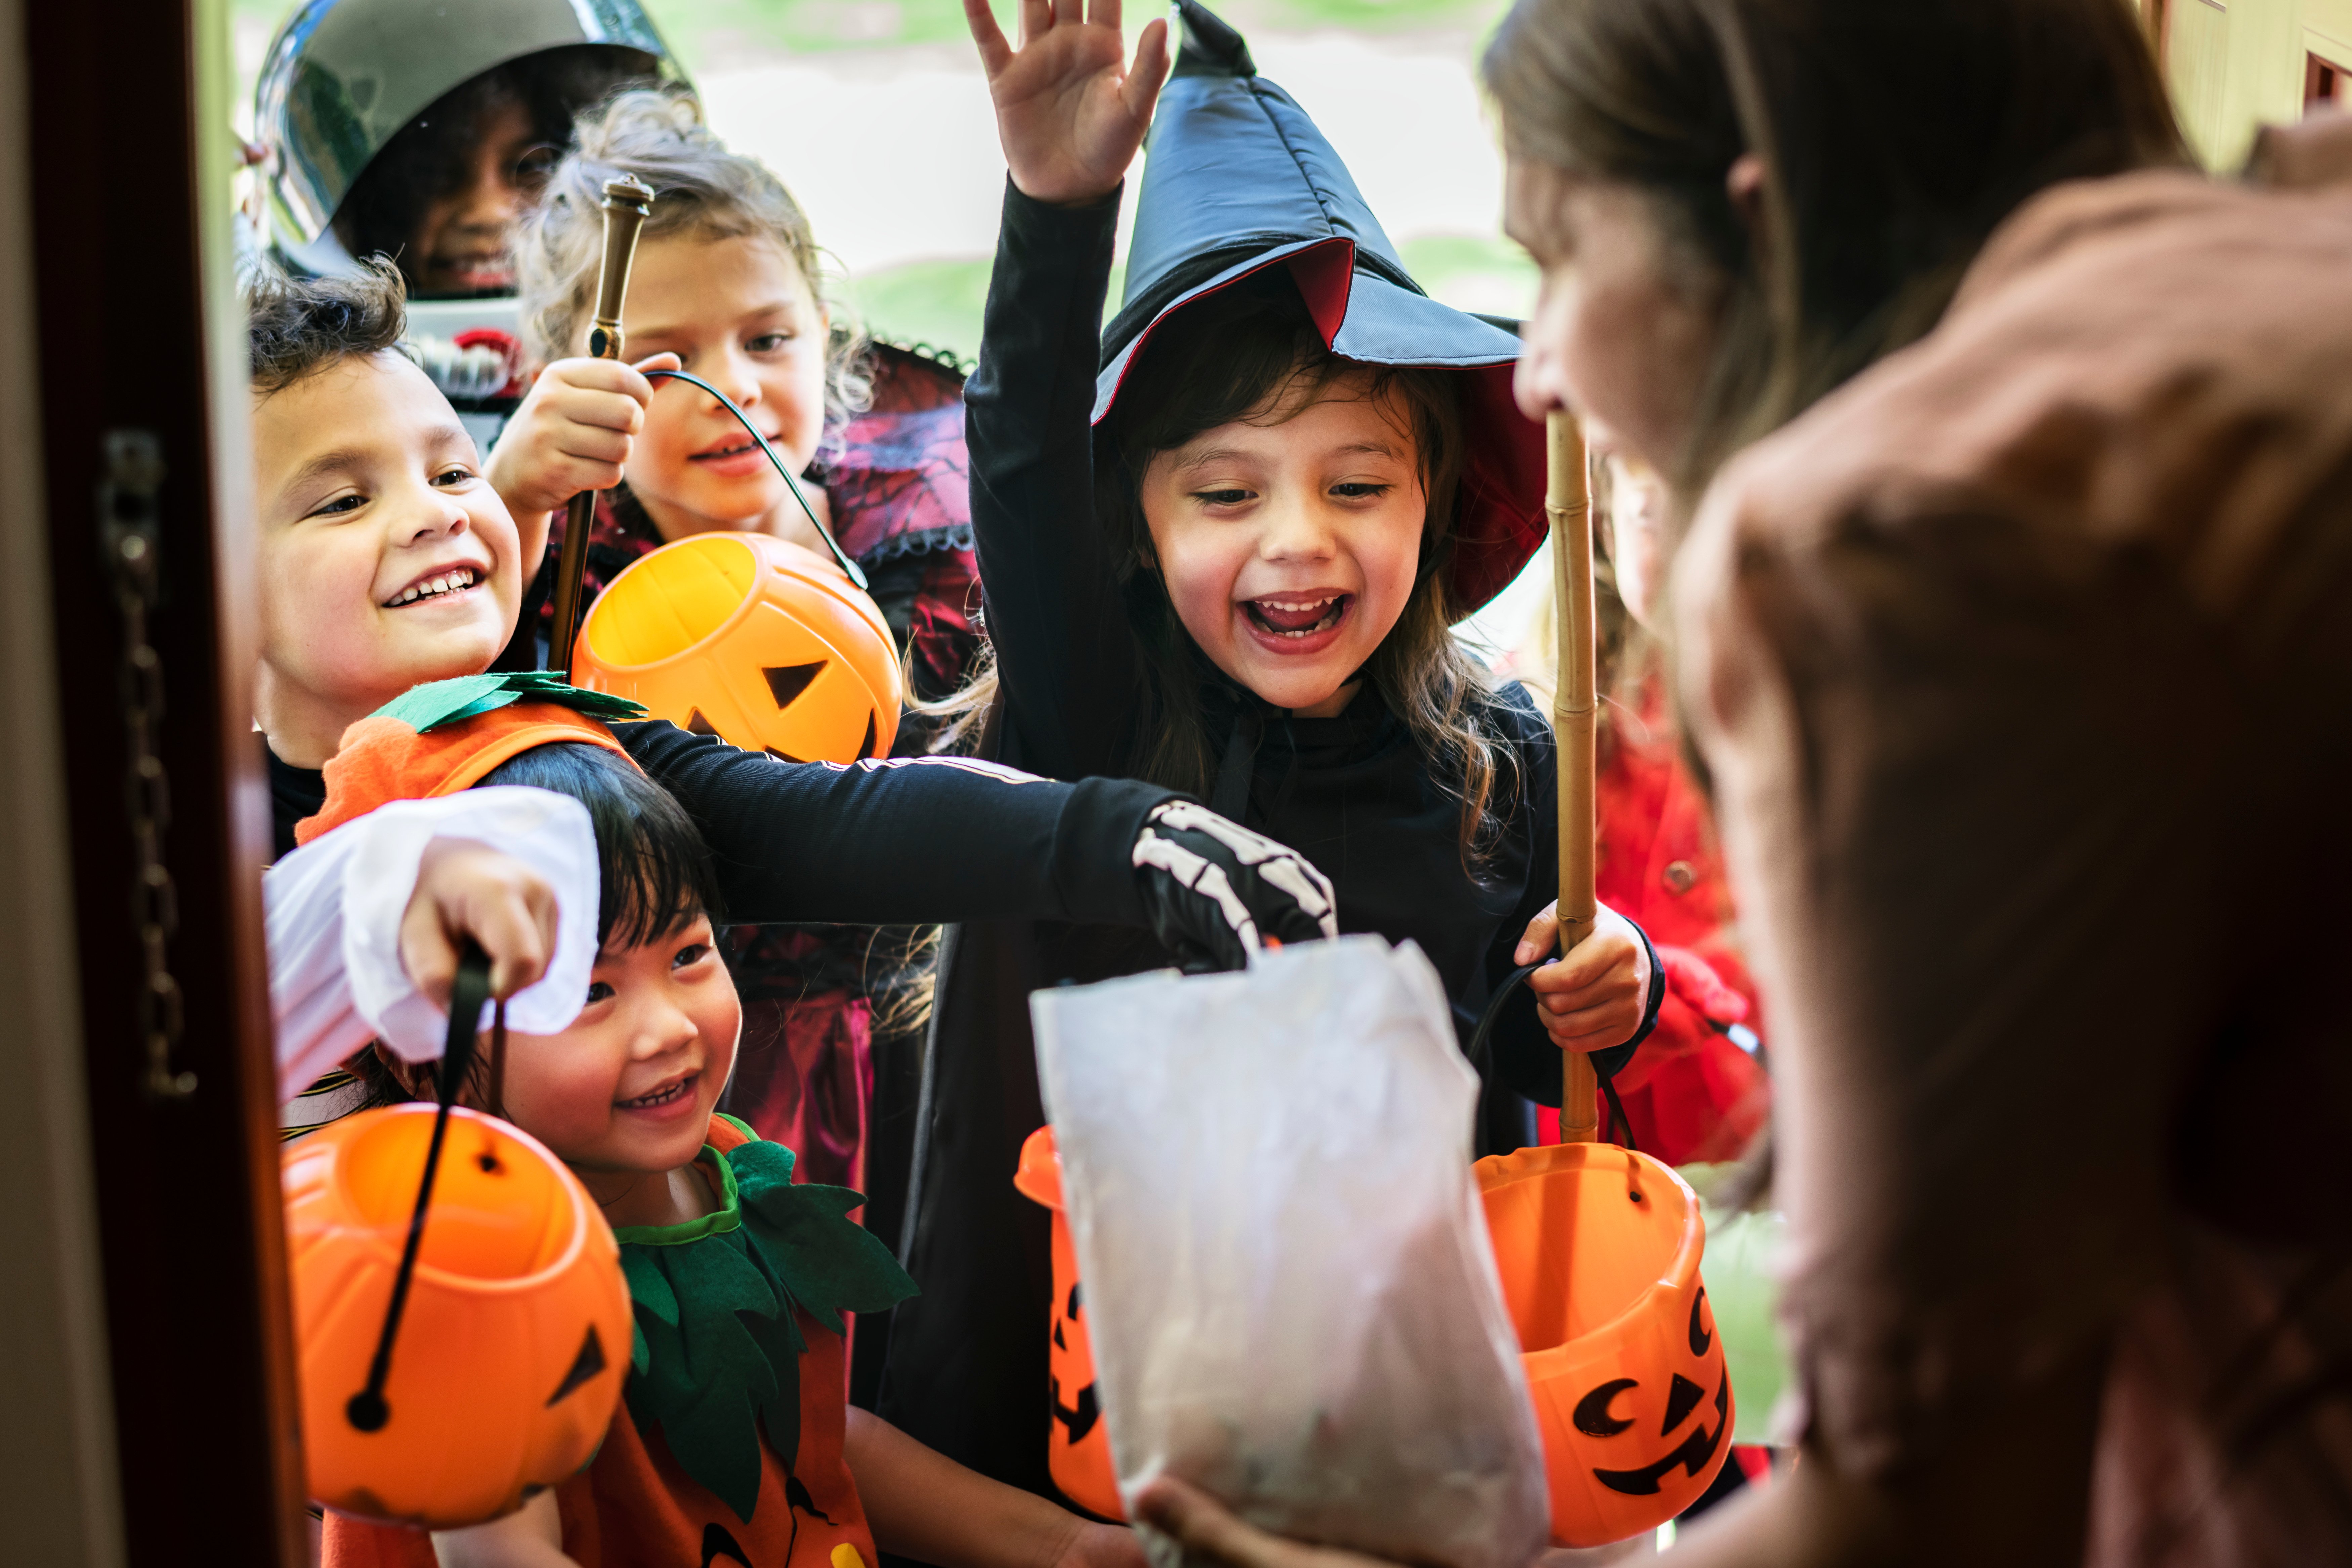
126	119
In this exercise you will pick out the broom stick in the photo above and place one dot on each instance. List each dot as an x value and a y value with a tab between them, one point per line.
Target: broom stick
628	202
1568	505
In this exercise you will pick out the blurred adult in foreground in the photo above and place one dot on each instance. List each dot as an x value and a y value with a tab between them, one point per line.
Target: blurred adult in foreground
2020	662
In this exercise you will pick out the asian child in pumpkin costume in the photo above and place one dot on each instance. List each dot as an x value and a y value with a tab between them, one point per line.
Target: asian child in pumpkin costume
733	1442
728	283
1223	543
387	562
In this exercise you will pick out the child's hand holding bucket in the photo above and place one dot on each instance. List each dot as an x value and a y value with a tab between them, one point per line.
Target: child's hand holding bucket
1594	997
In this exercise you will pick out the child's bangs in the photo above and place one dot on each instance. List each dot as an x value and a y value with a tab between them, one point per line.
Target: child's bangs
654	871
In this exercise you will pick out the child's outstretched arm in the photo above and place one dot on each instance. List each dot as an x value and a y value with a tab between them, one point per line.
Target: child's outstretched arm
1071	119
923	1505
363	923
923	840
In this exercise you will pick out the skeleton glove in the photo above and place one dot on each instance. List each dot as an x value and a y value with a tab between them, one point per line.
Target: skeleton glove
1214	889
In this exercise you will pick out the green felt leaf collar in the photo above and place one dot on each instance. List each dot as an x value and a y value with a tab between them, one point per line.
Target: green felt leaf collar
718	1346
428	706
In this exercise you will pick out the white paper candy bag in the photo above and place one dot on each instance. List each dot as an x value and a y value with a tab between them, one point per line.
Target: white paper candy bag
1290	1292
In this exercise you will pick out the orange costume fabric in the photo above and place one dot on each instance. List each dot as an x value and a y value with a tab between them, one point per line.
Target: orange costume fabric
634	1506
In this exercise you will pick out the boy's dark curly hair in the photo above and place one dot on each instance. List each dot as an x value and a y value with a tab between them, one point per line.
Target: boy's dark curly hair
297	326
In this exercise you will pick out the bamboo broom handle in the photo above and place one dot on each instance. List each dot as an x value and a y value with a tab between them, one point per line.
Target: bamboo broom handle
628	201
1568	504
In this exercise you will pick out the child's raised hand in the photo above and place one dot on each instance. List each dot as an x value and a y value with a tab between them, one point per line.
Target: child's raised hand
573	432
466	889
1070	111
1592	997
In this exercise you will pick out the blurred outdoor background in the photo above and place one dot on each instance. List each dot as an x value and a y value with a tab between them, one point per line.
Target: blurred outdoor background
876	114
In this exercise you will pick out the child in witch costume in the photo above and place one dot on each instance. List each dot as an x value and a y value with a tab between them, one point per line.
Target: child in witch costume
727	284
733	1442
387	562
1221	548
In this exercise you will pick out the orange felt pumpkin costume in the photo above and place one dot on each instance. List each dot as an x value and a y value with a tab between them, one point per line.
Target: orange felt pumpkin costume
636	1506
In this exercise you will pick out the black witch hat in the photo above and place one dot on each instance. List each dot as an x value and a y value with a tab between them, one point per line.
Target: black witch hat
1237	180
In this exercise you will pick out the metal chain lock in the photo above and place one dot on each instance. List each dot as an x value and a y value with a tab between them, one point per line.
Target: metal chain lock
131	539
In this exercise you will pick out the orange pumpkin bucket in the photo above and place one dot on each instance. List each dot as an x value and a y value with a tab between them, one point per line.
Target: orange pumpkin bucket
516	1326
1598	1252
750	639
1079	1448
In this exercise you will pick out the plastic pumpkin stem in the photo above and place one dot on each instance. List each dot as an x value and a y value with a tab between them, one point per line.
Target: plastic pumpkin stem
1567	503
367	1410
628	202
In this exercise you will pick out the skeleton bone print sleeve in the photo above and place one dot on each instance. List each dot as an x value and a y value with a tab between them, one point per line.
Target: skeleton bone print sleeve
919	840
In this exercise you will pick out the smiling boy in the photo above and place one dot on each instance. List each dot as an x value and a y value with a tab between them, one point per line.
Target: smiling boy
386	559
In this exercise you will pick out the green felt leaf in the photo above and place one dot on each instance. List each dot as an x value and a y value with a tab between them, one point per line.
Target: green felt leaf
649	1286
829	1263
439	703
717	1304
714	1439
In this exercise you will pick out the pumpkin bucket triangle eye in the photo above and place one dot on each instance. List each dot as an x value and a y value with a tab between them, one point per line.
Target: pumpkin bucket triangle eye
1681	1400
788	682
696	724
585	1366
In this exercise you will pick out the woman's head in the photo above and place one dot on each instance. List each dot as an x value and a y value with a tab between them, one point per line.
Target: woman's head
629	1088
443	197
1738	204
1291	503
729	278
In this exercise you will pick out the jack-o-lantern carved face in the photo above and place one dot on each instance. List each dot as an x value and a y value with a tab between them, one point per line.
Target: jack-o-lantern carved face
1597	1415
1077	1442
507	1376
1599	1251
750	639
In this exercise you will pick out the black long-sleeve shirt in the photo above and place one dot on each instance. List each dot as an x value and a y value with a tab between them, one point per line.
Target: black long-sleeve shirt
897	842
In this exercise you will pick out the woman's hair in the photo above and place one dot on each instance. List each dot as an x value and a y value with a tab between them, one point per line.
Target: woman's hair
1894	138
433	156
296	327
1252	350
702	191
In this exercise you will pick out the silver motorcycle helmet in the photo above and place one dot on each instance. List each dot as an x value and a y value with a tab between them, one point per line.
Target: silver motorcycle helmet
345	80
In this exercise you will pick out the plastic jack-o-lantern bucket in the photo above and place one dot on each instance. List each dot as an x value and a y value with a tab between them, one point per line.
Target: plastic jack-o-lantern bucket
516	1333
752	639
1078	1448
1599	1250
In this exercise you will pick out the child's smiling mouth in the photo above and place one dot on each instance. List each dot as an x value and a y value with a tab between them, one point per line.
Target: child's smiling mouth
440	585
739	456
1296	618
667	1096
